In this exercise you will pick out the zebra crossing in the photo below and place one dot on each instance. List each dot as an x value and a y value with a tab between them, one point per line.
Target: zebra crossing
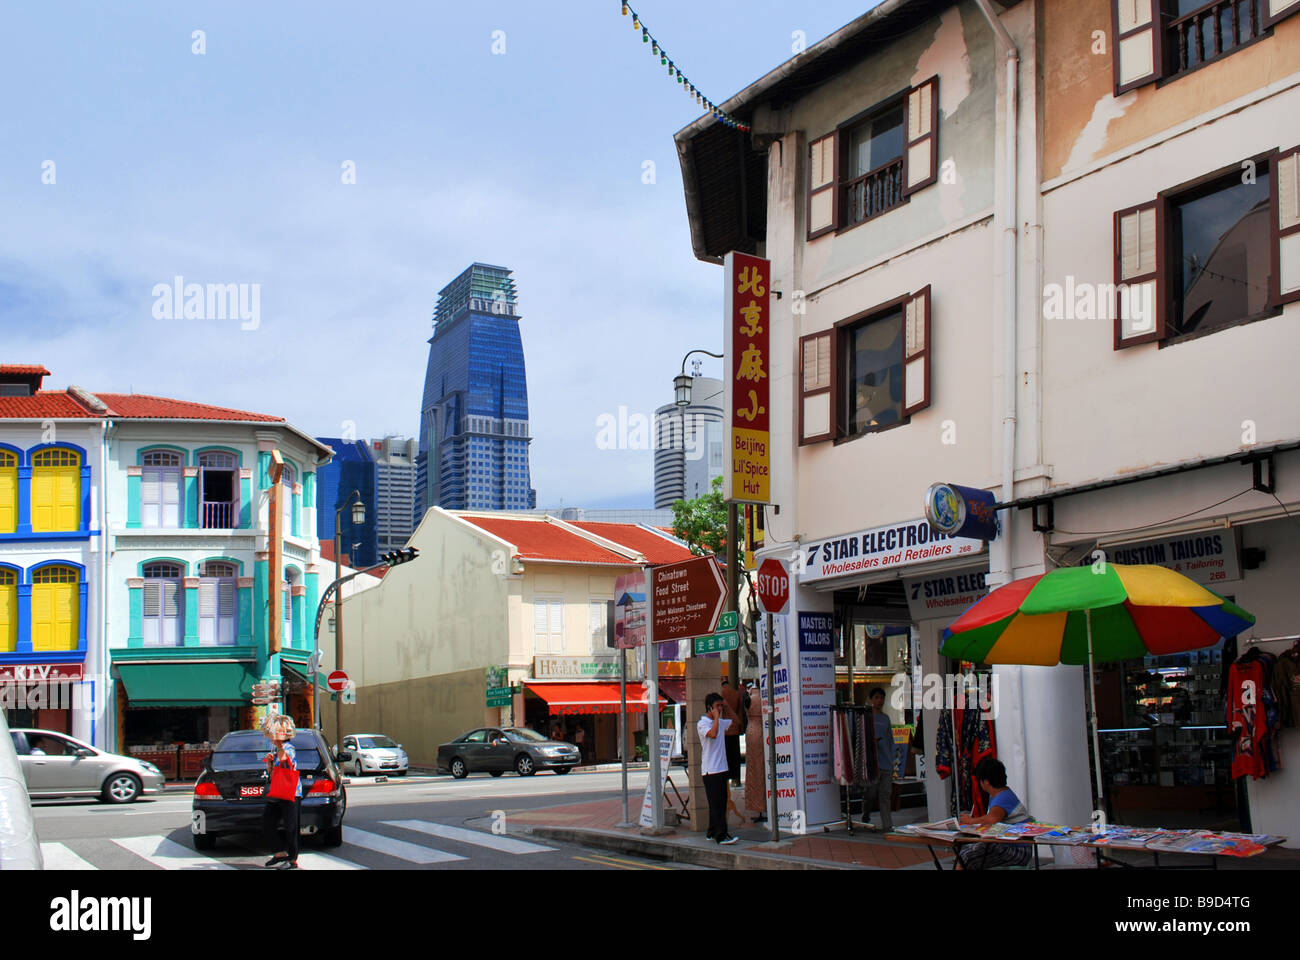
166	853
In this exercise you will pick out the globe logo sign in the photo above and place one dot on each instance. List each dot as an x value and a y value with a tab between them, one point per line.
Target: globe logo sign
945	508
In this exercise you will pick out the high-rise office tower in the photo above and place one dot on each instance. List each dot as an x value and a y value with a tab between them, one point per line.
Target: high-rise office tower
474	438
394	491
688	444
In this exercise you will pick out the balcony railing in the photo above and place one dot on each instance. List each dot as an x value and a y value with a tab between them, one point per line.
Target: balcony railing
1211	32
218	516
874	192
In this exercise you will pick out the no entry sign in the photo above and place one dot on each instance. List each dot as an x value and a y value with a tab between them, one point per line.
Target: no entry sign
773	584
336	681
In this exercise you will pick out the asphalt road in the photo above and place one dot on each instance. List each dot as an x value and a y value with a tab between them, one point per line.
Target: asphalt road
410	823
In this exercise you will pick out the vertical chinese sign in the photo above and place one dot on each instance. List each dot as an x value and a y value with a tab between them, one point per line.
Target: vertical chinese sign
747	306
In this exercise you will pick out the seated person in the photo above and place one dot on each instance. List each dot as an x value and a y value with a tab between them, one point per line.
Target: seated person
1005	807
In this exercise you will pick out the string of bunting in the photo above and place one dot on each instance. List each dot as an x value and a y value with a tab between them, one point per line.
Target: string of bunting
665	61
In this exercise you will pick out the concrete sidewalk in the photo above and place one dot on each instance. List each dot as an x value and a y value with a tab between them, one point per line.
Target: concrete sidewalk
596	824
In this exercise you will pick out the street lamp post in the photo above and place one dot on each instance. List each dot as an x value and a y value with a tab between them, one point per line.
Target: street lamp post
682	394
358	518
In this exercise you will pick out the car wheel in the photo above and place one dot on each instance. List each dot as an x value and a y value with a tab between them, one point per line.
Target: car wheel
524	765
356	768
205	841
121	788
561	771
332	836
496	773
458	768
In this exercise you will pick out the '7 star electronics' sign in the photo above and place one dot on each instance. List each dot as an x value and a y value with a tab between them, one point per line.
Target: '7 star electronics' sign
747	347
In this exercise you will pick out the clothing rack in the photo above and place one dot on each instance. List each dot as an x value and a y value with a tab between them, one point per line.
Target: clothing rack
853	711
1251	641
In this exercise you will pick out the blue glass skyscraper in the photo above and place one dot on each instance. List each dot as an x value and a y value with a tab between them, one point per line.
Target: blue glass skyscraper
474	419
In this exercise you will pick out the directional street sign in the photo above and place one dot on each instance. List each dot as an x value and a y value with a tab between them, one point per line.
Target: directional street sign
717	643
728	621
688	597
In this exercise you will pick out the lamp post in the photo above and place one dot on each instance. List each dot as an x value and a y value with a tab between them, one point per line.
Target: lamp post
682	394
358	518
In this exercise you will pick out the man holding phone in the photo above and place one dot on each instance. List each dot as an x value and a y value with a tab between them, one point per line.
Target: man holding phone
713	765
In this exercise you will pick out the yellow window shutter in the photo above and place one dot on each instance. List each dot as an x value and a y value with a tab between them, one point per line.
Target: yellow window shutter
65	617
8	494
8	613
68	498
42	615
42	499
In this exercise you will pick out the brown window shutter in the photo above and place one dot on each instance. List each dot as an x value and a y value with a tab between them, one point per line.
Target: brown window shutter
1137	48
816	399
1286	226
1278	10
916	352
1139	272
921	151
823	178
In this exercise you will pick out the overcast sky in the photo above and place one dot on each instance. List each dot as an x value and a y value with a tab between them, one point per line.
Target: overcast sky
227	167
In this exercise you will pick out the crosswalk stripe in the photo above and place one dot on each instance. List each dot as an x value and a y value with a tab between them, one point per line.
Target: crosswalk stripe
59	857
476	837
169	854
413	853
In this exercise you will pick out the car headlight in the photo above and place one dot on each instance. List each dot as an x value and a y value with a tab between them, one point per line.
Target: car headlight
150	767
554	751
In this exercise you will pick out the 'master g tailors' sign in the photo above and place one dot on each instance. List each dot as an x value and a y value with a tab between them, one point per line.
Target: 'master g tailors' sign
748	379
961	511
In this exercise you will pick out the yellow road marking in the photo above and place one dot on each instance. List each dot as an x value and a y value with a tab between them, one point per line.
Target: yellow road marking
641	866
604	863
621	864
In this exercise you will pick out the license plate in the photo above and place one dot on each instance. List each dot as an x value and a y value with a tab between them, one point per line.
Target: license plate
250	791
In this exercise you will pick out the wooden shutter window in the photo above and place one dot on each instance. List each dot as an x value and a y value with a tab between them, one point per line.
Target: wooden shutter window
823	174
1278	10
8	493
1136	43
1139	290
916	352
815	394
921	152
1286	226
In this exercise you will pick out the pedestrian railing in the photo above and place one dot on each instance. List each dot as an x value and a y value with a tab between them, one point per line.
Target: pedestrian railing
20	848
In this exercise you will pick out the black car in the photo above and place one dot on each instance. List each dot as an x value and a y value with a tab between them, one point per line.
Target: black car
498	749
230	794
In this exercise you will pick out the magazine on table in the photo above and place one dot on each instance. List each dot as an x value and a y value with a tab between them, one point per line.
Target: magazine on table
941	829
1068	836
1131	838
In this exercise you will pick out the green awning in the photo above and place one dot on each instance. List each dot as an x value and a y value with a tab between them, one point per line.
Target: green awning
187	684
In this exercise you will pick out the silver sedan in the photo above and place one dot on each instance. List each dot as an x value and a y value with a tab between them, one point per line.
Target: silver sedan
374	753
57	765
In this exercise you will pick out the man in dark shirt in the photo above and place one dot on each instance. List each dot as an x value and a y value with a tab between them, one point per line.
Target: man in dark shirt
881	789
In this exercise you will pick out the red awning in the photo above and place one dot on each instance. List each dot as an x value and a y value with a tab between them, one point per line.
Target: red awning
591	697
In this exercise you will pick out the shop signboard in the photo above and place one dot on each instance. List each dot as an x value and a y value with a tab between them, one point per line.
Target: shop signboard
816	663
961	511
944	594
783	703
748	383
666	737
1208	557
575	668
41	672
882	548
629	610
498	686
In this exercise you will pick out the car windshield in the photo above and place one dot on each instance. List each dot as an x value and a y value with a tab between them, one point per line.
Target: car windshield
521	736
365	743
247	750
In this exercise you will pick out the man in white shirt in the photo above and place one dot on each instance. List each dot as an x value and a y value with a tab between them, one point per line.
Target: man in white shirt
713	765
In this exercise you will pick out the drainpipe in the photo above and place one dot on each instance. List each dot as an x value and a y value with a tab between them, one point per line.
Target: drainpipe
1010	222
105	427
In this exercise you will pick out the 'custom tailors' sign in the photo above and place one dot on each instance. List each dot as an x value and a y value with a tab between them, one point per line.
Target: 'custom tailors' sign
884	548
747	383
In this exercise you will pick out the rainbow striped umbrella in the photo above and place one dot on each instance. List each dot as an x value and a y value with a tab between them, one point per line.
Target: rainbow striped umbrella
1078	615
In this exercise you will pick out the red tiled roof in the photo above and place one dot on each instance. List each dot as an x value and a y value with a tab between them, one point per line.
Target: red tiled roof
653	547
44	404
60	404
540	540
139	406
23	370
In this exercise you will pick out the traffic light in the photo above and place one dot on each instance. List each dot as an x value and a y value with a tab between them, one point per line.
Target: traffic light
394	557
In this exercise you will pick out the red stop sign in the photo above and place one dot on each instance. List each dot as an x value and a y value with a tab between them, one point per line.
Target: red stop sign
773	585
338	680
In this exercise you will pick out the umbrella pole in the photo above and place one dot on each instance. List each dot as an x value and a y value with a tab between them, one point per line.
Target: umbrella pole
1092	718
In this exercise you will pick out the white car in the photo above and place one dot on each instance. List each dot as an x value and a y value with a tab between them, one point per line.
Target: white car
374	753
